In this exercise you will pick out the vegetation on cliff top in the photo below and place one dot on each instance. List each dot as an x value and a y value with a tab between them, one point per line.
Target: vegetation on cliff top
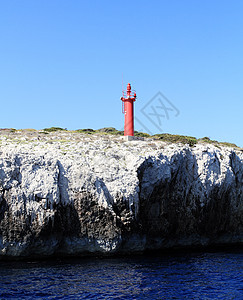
165	137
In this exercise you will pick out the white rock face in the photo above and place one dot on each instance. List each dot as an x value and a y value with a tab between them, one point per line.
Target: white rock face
72	193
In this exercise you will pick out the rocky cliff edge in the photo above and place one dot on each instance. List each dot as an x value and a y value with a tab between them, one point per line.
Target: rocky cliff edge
74	194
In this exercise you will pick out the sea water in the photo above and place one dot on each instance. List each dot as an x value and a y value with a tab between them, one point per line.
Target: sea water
207	275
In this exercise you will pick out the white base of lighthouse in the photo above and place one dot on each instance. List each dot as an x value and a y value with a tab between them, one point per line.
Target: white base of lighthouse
129	138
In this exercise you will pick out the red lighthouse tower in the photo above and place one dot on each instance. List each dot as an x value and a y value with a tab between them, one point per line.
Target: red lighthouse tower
127	109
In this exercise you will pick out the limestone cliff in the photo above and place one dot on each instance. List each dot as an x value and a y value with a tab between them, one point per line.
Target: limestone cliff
73	194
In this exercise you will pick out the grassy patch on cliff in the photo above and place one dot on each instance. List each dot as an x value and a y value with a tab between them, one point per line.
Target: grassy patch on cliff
207	140
52	129
87	131
110	130
165	137
175	138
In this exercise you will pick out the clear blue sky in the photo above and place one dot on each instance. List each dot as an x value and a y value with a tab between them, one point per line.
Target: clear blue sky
62	64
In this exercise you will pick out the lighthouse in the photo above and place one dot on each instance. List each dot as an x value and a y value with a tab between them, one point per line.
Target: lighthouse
128	111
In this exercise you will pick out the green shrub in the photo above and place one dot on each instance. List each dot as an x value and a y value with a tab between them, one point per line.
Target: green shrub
174	138
205	139
228	144
107	129
216	143
87	130
141	134
110	130
51	129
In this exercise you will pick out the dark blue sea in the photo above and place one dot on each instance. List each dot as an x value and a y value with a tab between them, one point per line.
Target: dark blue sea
207	275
